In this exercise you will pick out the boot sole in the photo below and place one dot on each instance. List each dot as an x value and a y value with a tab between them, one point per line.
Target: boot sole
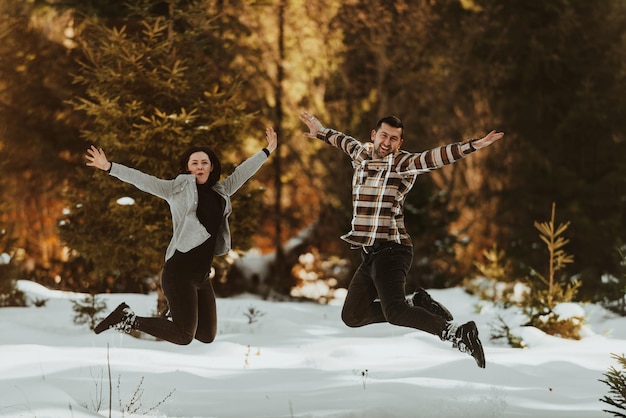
476	347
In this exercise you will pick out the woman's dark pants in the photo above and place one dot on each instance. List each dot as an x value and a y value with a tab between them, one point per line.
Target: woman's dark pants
191	301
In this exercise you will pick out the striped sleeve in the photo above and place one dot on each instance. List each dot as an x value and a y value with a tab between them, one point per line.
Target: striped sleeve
346	143
423	162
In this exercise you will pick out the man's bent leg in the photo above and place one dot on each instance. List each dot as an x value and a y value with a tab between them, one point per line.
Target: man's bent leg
389	269
360	307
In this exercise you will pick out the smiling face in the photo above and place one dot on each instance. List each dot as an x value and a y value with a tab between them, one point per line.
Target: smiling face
387	140
200	165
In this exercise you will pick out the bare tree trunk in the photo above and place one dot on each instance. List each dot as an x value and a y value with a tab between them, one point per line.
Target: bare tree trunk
281	270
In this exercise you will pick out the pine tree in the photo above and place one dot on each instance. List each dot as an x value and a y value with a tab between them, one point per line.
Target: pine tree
156	82
616	380
37	129
290	54
562	109
88	310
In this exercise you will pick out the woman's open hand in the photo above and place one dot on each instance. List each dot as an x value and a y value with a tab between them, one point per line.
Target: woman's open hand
97	158
272	139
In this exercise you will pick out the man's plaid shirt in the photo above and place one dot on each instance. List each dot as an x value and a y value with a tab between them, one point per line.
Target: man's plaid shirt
379	187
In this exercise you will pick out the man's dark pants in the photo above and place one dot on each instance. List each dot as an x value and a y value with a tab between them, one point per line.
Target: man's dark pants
377	291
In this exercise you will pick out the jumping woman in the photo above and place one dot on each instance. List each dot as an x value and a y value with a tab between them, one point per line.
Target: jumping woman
200	206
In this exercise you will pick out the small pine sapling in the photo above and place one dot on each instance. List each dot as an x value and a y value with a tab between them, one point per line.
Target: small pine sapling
253	314
615	287
502	331
87	310
496	267
547	292
497	283
616	380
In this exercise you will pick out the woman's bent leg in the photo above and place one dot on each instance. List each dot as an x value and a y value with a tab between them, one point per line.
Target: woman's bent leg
182	297
207	313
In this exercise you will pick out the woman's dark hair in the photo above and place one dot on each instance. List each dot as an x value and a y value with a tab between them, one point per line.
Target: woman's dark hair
217	166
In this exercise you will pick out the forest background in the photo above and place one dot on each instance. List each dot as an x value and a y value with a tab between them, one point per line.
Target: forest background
144	79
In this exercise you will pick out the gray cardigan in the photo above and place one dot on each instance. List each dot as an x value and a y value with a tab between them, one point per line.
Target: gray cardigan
181	194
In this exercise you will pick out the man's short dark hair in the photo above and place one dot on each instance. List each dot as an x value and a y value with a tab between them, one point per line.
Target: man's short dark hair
392	121
214	177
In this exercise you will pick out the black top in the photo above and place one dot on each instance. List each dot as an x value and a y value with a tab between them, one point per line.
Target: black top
210	213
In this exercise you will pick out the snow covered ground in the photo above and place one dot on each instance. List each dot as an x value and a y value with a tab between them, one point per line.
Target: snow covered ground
295	360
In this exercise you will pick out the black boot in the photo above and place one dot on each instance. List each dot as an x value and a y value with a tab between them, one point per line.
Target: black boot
465	338
122	319
422	299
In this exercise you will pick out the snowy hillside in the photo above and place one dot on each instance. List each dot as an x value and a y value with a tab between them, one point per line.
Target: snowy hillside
295	360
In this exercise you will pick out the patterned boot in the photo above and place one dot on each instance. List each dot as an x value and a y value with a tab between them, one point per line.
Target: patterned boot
465	338
122	319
